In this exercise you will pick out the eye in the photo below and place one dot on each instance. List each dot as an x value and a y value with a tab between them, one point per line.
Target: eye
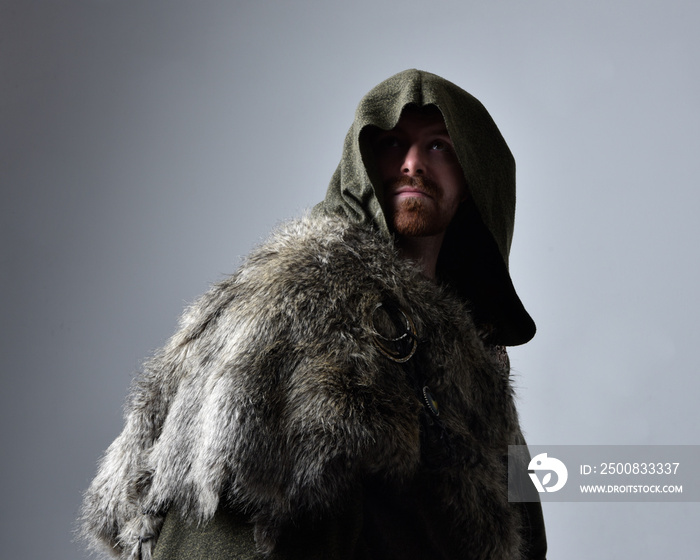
387	142
440	145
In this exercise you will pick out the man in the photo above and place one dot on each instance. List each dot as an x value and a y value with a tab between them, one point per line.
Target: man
346	393
423	183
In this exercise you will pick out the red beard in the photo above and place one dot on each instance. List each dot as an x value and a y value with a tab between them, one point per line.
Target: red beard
415	216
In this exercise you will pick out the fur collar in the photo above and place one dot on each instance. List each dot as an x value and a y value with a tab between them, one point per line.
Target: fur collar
275	396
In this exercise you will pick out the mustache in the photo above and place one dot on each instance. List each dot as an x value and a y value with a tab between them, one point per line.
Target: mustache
416	181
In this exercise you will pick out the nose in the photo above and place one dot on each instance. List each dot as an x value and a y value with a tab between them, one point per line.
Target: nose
413	163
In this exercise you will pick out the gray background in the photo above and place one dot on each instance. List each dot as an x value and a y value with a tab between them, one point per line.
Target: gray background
147	145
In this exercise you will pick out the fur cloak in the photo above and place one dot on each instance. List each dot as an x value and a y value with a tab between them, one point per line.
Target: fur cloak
328	385
276	398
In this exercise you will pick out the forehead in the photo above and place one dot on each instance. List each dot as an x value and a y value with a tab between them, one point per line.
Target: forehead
421	121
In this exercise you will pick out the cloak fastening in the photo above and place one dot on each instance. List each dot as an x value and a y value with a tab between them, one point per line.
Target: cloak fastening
406	343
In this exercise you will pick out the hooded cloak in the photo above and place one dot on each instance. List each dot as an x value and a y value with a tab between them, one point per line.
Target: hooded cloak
474	255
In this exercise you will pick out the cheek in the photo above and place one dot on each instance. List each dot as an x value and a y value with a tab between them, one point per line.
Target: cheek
456	186
389	164
463	191
384	170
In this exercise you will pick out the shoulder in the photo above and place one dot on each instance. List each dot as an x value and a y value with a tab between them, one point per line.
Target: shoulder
301	266
302	259
317	248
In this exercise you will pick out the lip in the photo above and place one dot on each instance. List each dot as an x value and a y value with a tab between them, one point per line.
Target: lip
408	191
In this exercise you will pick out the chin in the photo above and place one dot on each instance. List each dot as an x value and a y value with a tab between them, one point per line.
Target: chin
412	217
415	224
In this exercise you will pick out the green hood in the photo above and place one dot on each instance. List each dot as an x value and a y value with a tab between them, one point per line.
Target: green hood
474	256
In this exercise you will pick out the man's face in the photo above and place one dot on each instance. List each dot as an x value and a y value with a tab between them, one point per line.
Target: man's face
423	181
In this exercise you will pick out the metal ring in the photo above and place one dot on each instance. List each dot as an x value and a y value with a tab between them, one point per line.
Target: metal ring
405	344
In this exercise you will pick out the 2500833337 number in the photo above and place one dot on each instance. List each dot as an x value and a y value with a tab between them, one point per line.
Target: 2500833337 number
638	468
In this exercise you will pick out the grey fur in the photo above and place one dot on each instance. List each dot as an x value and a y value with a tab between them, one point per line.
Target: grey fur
273	396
